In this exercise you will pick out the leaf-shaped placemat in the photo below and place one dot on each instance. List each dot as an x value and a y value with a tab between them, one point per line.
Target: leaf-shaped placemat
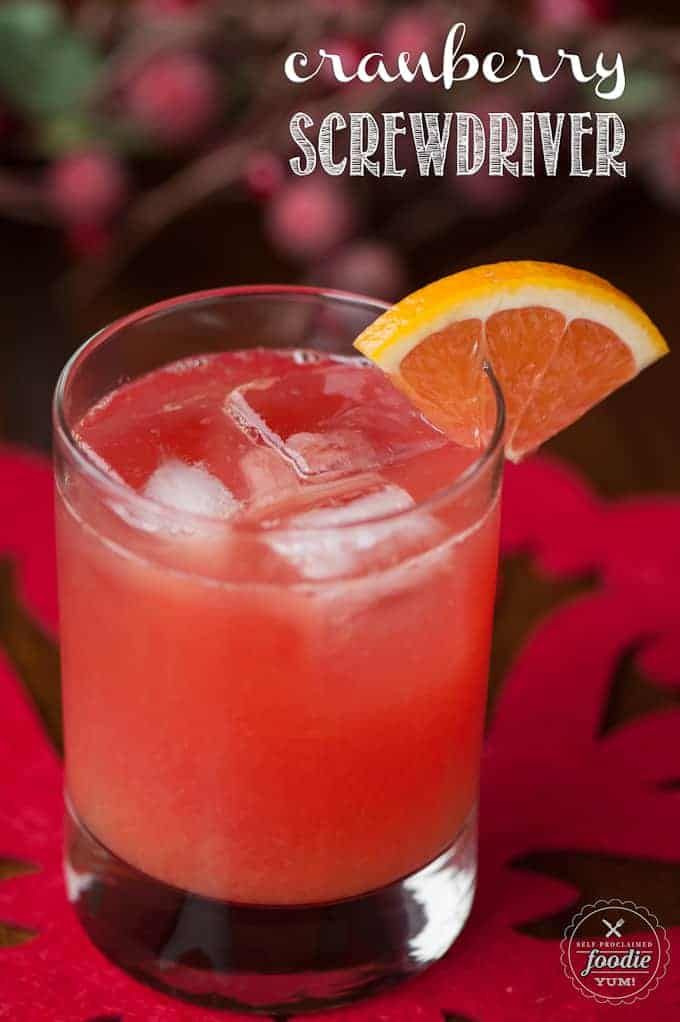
580	768
10	933
33	654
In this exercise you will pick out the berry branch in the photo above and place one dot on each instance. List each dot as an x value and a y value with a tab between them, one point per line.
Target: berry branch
117	119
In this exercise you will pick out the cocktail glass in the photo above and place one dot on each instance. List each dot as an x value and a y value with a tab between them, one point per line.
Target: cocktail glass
271	785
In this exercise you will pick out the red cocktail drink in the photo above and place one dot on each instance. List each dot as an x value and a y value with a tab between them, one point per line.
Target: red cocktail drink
276	583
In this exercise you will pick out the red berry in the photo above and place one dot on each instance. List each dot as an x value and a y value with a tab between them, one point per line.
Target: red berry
263	174
86	187
367	267
571	13
411	31
309	217
176	97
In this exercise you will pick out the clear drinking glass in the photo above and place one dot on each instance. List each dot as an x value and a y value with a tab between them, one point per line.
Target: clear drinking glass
271	785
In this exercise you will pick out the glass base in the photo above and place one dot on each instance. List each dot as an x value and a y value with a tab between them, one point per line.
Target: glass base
266	959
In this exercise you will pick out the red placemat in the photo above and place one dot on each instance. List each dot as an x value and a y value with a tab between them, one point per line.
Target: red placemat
576	804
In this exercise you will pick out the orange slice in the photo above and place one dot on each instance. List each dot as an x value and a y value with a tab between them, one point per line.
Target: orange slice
558	339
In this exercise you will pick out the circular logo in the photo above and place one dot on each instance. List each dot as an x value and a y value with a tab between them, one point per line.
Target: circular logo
615	952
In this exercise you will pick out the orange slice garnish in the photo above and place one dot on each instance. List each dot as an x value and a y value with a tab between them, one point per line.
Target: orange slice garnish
558	339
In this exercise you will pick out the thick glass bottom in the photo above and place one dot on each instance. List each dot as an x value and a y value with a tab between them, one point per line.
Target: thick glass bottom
268	959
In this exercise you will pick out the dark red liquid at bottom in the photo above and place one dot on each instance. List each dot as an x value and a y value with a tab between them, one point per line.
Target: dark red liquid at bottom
263	959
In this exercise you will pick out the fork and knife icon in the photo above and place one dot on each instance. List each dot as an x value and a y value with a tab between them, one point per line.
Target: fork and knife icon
613	929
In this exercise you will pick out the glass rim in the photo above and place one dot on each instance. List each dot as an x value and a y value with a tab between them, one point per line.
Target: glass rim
96	474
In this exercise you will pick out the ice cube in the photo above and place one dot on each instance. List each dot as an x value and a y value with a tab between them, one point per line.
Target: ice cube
386	500
184	488
353	534
337	451
190	488
160	529
268	412
332	420
267	477
241	406
272	408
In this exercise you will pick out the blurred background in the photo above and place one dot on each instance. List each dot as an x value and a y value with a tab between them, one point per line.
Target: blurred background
144	148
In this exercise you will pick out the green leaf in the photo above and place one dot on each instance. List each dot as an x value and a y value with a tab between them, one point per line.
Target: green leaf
46	68
64	133
30	18
646	90
78	129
